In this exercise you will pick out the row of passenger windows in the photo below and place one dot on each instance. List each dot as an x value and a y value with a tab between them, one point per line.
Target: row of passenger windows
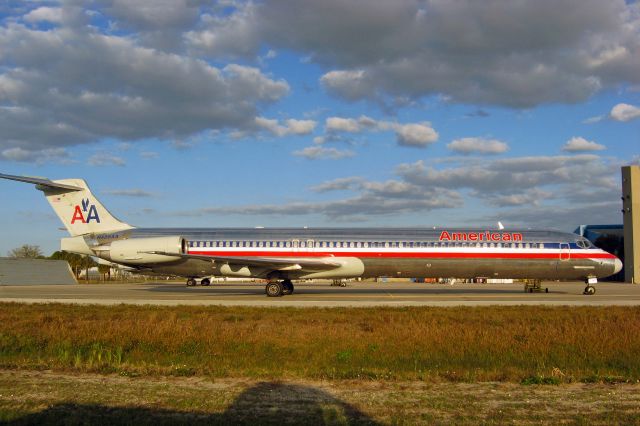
356	244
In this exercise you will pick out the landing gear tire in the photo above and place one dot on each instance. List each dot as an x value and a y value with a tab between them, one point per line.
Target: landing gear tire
589	290
205	282
287	287
191	282
274	289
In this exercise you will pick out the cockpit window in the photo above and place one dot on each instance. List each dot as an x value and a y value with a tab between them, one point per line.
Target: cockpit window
584	243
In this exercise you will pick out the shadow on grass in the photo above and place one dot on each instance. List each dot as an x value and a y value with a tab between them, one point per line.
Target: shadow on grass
266	403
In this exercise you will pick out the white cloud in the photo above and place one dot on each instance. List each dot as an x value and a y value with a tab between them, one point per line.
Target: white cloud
47	14
416	134
131	93
596	119
546	184
351	85
339	124
510	175
625	112
478	145
407	134
579	144
340	184
300	127
469	51
105	159
48	155
135	193
291	127
533	197
322	153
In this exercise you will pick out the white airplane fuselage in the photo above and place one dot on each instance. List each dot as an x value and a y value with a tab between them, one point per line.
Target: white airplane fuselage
375	252
285	254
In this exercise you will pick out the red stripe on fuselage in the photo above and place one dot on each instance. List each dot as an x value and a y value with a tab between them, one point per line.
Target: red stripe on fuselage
417	255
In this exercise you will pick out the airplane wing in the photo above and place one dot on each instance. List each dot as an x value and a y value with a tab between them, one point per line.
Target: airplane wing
275	263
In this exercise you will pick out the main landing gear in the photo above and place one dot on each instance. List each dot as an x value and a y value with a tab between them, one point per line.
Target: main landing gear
191	282
534	286
279	288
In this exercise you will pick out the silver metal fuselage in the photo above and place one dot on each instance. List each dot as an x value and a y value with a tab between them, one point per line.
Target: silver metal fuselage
391	252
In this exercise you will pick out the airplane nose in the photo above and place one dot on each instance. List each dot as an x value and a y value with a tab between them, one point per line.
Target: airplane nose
617	266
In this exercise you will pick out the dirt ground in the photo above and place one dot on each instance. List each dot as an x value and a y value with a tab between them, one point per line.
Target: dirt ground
45	397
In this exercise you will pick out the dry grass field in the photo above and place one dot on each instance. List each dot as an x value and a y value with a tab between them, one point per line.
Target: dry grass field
506	344
48	398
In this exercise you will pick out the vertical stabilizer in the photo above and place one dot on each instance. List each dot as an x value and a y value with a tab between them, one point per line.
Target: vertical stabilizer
79	210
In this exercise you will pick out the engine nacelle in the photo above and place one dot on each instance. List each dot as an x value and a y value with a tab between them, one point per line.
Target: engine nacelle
138	251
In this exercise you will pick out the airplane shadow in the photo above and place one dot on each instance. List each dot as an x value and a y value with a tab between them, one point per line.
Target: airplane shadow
258	289
266	403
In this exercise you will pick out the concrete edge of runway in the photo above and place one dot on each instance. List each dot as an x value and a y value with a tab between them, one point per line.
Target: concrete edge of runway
325	303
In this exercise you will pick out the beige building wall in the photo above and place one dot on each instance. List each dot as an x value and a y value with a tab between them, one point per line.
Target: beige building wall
631	221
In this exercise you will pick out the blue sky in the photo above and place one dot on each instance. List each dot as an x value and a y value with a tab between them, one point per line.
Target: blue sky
333	113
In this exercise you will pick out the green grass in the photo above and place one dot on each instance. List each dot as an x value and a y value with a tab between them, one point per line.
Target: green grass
530	345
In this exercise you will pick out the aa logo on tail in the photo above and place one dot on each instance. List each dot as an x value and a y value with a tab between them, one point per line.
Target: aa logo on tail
89	209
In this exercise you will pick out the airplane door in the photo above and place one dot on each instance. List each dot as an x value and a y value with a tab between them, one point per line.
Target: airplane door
565	253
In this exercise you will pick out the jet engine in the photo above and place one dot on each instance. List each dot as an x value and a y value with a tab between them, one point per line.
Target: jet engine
142	251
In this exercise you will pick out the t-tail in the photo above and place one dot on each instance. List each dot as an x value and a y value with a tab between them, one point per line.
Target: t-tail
78	209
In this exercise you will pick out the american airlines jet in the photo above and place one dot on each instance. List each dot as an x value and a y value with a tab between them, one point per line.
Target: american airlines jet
281	255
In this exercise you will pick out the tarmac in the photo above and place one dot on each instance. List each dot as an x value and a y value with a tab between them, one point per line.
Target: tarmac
356	294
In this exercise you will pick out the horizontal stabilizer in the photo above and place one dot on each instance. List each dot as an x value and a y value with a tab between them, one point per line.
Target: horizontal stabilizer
44	182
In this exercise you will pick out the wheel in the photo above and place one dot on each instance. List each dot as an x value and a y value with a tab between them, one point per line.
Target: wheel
287	287
274	289
589	290
546	289
191	282
205	282
530	289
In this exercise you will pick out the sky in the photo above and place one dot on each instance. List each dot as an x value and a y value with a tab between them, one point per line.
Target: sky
339	113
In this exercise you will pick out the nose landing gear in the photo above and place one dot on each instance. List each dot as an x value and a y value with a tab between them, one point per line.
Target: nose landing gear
590	290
